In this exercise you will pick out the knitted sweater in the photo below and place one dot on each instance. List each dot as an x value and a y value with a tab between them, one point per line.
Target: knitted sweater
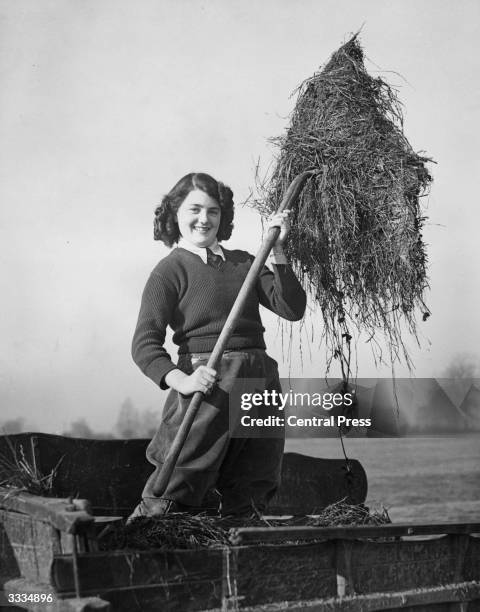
195	300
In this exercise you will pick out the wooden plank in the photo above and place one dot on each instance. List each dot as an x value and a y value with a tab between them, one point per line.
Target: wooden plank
249	535
137	568
471	563
29	547
177	598
414	600
276	573
192	580
147	600
64	514
160	575
8	562
370	567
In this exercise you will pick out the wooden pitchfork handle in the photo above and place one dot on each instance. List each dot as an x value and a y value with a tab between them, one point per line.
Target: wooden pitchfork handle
289	199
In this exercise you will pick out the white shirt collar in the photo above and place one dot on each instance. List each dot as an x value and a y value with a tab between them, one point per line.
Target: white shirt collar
201	251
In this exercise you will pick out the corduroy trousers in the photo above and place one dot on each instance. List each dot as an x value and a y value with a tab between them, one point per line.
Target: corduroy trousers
243	471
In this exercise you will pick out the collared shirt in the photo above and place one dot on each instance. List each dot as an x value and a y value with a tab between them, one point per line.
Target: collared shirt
201	251
277	258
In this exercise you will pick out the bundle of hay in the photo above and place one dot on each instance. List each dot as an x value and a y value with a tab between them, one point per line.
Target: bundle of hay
356	240
177	530
341	513
185	531
18	473
172	531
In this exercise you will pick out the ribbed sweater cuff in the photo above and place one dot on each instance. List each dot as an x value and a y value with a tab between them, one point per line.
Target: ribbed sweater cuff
157	371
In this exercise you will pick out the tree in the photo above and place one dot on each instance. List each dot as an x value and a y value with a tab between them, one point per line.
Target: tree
458	378
128	422
80	429
463	366
12	426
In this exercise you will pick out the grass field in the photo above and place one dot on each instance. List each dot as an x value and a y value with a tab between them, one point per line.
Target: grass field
417	479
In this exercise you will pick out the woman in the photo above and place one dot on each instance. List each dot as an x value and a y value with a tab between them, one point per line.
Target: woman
192	290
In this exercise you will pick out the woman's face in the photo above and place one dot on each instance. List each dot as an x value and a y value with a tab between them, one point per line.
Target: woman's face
198	218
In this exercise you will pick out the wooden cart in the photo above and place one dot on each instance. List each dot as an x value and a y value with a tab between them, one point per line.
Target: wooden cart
48	545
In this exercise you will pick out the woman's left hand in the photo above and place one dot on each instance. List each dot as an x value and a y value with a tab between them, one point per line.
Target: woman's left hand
281	220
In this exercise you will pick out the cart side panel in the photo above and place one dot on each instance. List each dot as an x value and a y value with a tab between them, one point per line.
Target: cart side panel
370	567
29	546
265	574
187	597
9	567
112	473
146	580
471	566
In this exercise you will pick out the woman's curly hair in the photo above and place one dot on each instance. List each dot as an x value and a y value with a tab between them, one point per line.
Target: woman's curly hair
165	226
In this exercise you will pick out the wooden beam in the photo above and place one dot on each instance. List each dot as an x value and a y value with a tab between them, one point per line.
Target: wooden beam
399	600
71	516
248	535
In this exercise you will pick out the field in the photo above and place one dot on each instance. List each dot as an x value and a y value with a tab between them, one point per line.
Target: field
416	478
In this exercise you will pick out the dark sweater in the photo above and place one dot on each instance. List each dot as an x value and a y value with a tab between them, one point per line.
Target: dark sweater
195	300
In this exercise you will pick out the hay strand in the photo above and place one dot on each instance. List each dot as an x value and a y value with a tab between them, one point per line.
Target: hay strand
18	473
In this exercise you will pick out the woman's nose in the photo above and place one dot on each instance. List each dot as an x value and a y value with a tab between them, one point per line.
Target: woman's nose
203	216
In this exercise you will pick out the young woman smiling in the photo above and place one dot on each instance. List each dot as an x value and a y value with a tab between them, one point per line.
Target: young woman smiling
192	290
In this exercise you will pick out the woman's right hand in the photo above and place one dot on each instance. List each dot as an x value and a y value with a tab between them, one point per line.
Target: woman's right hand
202	379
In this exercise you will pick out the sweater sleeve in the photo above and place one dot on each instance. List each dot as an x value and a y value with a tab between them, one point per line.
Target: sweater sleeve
280	292
156	311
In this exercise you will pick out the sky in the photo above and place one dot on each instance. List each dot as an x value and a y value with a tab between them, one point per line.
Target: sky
105	104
